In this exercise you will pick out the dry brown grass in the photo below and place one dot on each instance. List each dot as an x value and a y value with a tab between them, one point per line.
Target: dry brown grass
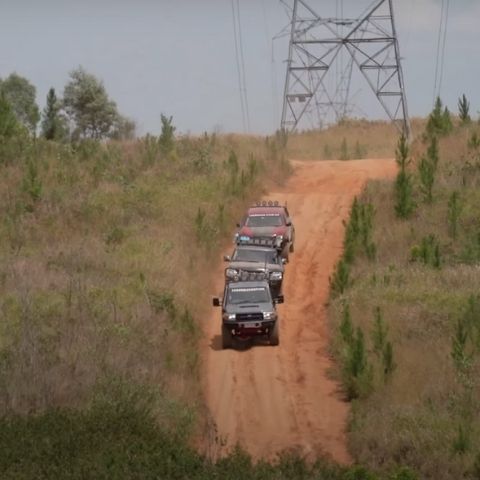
413	419
104	275
364	139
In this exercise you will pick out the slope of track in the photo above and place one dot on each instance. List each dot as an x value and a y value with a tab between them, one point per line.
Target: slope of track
269	399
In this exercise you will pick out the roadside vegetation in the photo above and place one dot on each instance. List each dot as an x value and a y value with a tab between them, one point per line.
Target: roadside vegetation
104	237
352	139
405	308
106	247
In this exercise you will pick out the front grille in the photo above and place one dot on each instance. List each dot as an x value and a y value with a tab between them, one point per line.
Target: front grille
249	317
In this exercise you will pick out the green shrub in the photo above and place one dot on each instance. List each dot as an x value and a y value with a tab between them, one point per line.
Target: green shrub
32	185
464	110
357	372
346	326
166	140
403	473
340	279
327	152
428	252
344	155
360	150
453	213
462	443
379	332
388	360
426	170
359	231
439	122
404	202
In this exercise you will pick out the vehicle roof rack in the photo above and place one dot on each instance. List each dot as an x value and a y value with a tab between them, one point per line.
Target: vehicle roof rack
272	242
246	276
267	203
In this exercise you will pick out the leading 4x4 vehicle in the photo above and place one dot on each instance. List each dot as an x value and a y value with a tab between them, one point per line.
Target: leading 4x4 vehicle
252	262
267	220
248	311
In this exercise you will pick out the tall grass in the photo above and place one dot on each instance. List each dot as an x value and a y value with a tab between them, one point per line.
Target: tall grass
425	413
352	139
104	260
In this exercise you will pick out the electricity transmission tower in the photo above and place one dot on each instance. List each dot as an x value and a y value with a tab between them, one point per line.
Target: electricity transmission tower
317	43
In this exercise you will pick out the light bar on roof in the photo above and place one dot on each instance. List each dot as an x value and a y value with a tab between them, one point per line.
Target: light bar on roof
272	242
267	203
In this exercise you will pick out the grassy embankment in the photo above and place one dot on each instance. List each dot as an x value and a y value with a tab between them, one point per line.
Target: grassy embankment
352	139
408	320
105	251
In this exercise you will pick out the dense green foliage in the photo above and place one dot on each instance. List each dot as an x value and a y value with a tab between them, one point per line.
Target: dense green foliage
53	123
464	110
20	94
404	203
119	438
88	106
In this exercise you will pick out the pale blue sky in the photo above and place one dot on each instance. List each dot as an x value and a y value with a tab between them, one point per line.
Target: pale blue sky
178	57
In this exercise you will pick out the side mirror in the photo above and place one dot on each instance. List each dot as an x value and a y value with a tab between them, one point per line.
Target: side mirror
216	302
279	299
226	258
289	223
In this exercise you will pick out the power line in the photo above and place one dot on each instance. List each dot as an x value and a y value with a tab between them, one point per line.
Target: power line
275	112
441	46
242	61
239	74
444	44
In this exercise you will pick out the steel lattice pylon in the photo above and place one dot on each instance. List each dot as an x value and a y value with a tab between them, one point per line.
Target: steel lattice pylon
371	45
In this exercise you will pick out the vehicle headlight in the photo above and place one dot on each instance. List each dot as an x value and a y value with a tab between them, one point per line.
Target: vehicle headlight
229	316
269	315
278	240
276	275
231	273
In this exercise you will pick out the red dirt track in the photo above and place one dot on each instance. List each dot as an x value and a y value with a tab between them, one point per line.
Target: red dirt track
269	399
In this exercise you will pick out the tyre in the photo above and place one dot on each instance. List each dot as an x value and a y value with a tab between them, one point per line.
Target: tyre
274	336
227	340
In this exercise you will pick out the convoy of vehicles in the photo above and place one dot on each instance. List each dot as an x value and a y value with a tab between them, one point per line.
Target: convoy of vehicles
254	275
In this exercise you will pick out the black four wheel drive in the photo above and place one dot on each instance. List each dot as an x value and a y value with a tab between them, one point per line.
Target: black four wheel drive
248	311
251	262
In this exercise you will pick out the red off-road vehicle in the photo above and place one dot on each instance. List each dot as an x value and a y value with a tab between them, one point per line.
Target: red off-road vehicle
267	220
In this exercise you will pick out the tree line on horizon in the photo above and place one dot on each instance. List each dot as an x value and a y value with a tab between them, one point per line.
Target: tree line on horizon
87	112
84	111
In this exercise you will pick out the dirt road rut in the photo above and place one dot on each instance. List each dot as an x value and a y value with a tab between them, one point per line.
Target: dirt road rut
269	399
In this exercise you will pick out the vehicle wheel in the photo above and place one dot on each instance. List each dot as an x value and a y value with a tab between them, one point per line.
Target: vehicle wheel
227	340
274	336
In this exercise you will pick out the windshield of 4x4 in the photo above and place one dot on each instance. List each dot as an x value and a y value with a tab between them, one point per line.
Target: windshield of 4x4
238	296
269	220
250	255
